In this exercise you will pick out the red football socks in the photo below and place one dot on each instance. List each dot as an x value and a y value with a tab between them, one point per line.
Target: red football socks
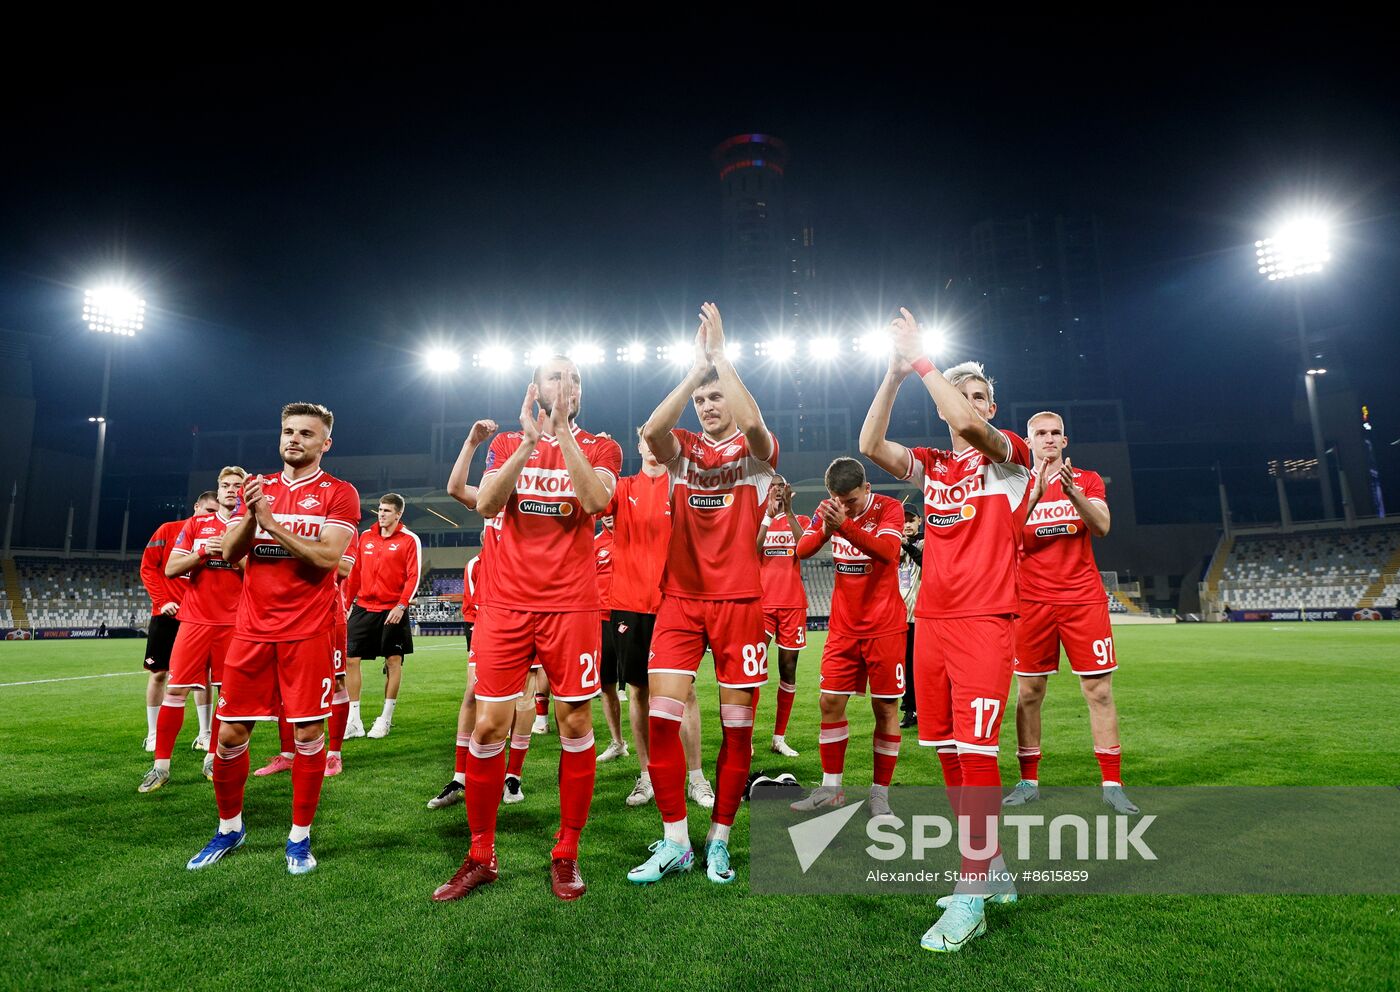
230	775
832	743
787	693
308	775
168	723
735	758
1029	760
1110	761
519	747
667	765
886	756
578	765
486	775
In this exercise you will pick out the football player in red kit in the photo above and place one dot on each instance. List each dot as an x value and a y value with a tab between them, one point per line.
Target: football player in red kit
965	642
538	598
206	625
865	643
294	529
784	599
711	593
1063	602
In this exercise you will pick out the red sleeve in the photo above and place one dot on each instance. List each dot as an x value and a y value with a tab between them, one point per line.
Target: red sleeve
1092	484
344	508
883	549
352	582
502	445
891	519
607	456
1020	451
813	537
919	459
153	559
412	558
183	542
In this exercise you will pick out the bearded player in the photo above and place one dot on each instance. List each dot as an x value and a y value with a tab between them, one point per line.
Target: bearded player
538	599
965	641
1063	603
206	625
711	593
294	529
866	639
784	599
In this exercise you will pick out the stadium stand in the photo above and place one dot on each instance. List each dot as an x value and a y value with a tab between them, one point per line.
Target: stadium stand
79	592
1316	569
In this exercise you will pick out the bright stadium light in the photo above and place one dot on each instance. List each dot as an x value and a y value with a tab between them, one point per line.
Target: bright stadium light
440	359
586	353
733	350
539	354
875	343
113	310
933	342
493	358
632	354
1317	371
97	420
1299	247
676	353
779	349
823	349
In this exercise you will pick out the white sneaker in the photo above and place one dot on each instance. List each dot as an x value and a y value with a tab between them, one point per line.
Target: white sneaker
201	743
511	791
780	746
380	729
150	743
622	695
642	793
354	728
540	726
702	793
615	750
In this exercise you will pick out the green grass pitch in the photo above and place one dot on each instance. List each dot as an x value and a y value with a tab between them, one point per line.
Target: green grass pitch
95	894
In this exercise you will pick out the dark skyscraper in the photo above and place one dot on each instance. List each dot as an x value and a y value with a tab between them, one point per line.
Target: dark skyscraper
1037	299
761	255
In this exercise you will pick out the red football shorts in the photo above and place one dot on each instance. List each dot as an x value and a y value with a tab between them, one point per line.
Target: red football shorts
340	634
256	672
962	676
787	626
731	628
1083	629
506	644
198	654
849	662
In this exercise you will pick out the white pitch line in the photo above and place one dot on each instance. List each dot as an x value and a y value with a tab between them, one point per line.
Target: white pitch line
75	678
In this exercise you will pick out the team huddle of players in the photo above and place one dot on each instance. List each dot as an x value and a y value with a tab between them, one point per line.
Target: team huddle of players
699	551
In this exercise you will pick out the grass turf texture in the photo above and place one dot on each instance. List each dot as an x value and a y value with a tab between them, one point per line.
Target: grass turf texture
96	894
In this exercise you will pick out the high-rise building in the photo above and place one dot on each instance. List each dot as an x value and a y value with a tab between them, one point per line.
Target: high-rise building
768	250
1037	304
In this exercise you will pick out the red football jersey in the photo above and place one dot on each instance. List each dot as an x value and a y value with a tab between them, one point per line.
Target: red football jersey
388	567
641	515
284	598
602	551
865	601
718	491
215	585
153	560
469	589
544	561
779	570
1057	556
973	508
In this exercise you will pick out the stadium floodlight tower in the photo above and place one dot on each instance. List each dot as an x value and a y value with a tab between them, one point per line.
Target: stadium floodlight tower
111	312
440	361
1301	247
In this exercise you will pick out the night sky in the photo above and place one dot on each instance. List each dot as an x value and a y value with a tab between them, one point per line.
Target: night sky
302	219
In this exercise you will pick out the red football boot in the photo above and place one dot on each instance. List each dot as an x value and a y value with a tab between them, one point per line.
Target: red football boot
565	879
471	876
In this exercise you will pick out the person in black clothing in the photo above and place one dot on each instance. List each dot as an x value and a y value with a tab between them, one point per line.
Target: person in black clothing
911	559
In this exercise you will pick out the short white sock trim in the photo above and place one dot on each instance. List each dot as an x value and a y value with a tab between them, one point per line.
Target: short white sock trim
299	833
